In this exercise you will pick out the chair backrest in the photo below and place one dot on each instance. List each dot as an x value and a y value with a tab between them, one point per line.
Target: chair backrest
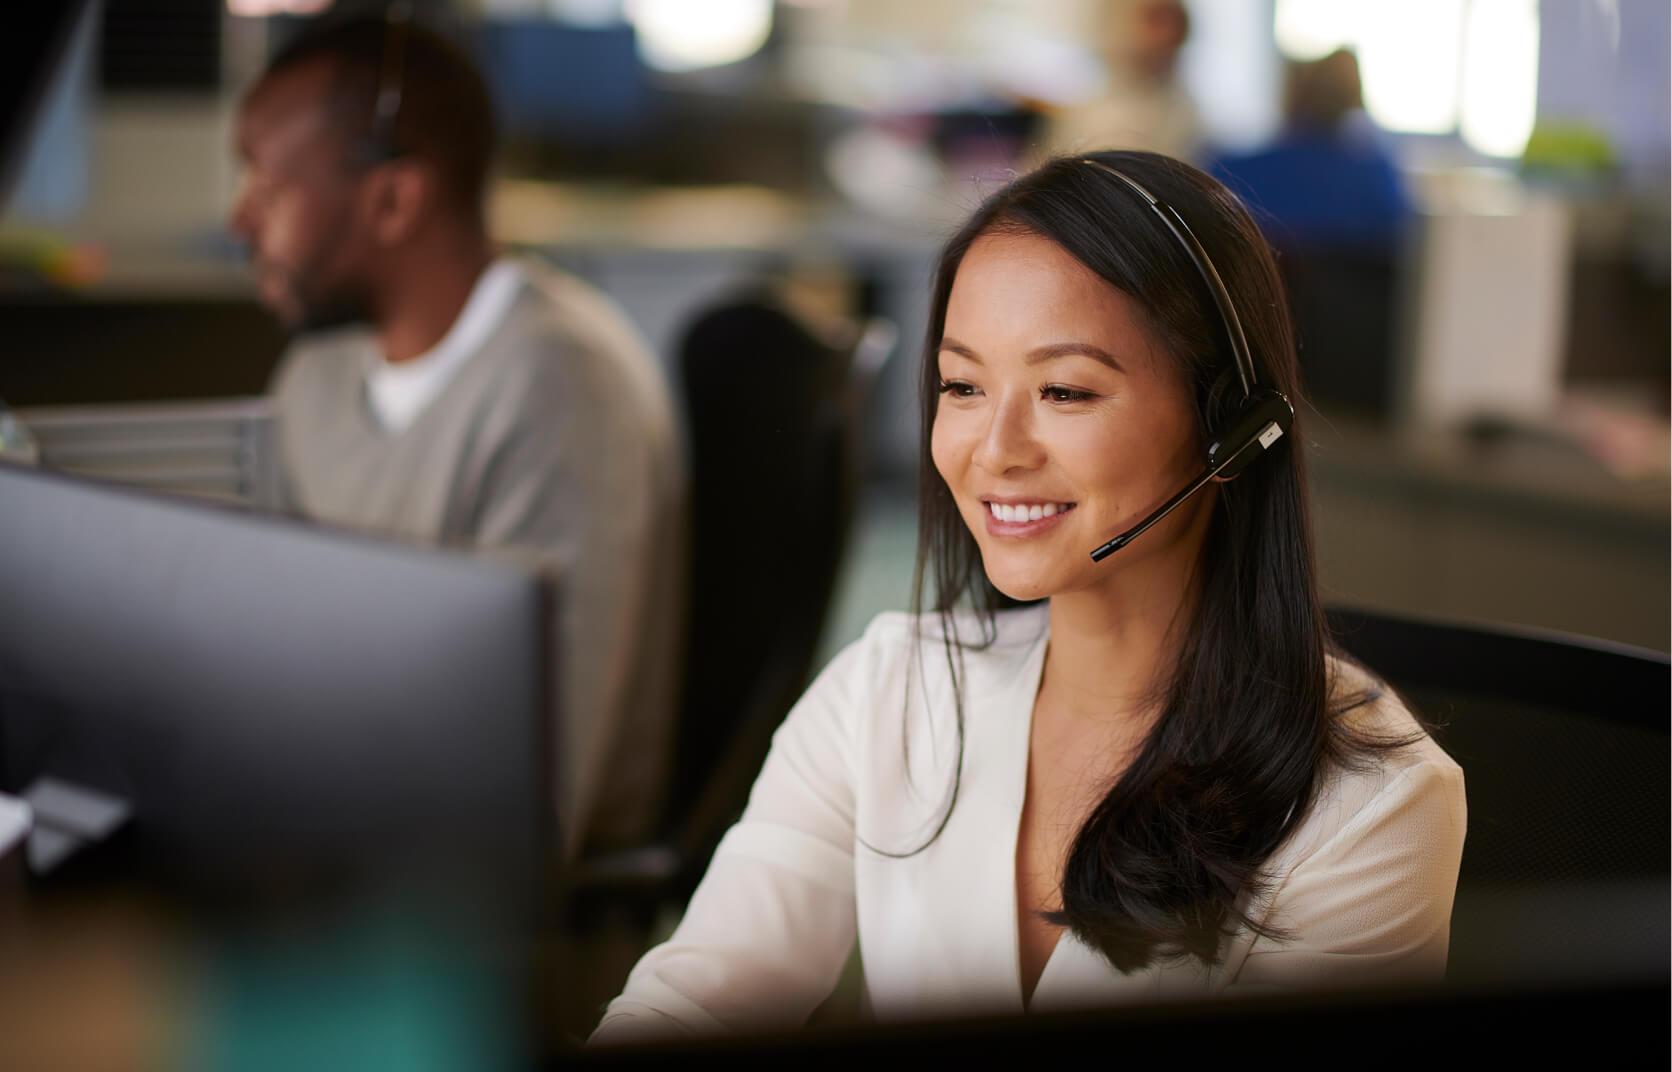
1563	744
775	416
1347	304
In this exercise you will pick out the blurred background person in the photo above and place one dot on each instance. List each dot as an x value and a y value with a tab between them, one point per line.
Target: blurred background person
442	392
1329	194
1326	179
1143	104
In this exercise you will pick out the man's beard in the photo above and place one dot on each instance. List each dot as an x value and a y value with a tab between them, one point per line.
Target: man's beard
319	308
341	307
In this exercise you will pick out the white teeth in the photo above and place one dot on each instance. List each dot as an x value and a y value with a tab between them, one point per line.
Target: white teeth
1025	512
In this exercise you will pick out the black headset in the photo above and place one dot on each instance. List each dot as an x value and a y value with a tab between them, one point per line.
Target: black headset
379	146
1264	415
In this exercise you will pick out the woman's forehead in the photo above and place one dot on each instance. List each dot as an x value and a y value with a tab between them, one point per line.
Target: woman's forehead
1021	279
1026	262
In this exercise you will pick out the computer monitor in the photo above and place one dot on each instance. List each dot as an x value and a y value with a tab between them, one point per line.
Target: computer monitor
267	698
39	49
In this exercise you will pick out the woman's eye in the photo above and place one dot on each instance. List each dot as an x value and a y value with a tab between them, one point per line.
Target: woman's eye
1057	393
957	388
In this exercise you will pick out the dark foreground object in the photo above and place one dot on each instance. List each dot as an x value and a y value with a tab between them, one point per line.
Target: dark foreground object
1363	1028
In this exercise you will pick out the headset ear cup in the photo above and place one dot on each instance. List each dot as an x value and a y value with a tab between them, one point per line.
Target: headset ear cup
1264	418
1220	404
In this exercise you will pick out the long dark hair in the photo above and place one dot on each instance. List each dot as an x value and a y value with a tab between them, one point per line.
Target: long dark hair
1163	863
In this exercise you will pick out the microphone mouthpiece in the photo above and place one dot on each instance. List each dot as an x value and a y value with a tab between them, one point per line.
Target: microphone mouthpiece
1111	547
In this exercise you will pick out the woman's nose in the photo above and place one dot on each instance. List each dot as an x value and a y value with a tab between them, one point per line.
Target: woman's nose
1008	441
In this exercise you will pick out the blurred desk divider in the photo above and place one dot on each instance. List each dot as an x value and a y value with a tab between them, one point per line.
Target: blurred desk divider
1514	527
1489	293
219	449
531	213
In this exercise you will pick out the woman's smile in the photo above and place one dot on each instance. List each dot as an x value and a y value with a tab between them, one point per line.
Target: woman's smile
1024	517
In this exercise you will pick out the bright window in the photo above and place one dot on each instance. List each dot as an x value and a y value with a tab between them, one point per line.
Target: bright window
1431	66
684	35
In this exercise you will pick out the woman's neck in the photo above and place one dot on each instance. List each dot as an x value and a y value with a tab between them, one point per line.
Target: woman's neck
1113	649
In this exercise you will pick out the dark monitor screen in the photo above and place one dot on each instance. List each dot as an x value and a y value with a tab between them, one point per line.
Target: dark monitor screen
262	693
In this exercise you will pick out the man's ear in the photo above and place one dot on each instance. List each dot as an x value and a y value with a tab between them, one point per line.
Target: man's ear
402	194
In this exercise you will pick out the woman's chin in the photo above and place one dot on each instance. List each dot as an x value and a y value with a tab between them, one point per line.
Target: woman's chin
1022	589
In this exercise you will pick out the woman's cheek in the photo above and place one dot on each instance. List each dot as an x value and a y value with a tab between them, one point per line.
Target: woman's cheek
943	449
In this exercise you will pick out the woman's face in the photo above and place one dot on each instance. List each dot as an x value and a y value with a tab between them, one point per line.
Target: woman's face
1061	421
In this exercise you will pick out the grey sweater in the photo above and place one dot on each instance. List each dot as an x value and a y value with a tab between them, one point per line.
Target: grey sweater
556	444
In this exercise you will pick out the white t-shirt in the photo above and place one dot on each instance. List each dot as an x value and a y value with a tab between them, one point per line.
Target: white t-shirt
398	391
1364	884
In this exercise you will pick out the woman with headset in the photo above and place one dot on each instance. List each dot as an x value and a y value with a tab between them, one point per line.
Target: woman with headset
1118	758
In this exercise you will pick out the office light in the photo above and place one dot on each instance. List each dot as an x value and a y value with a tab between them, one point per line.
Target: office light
1408	57
1312	29
684	35
1500	76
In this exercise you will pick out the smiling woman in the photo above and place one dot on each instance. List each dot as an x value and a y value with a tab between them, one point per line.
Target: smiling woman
1060	420
1156	778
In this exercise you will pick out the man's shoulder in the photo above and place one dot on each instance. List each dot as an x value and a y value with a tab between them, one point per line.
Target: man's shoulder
564	339
572	312
323	361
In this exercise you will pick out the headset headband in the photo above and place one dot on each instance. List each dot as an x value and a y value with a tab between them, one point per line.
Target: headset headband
391	79
1240	357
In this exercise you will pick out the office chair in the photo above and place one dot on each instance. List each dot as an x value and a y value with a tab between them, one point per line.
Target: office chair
1347	306
775	415
1563	744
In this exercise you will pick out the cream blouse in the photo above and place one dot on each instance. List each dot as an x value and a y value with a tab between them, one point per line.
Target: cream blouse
862	766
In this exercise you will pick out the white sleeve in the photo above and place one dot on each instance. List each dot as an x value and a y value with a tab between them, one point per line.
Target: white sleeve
1373	904
770	928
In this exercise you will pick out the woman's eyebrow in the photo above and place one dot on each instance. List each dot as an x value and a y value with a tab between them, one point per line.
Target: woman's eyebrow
1074	349
954	346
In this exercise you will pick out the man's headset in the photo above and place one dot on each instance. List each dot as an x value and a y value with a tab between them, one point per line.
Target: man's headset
379	146
1265	413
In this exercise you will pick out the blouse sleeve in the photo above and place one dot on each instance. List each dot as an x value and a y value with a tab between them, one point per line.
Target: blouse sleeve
769	929
1372	904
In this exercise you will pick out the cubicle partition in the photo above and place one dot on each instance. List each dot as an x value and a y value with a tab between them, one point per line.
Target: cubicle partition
217	449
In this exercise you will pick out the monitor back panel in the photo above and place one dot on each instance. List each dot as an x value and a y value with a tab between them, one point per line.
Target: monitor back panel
260	690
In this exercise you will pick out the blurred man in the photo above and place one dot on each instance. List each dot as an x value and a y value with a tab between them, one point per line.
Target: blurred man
442	392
